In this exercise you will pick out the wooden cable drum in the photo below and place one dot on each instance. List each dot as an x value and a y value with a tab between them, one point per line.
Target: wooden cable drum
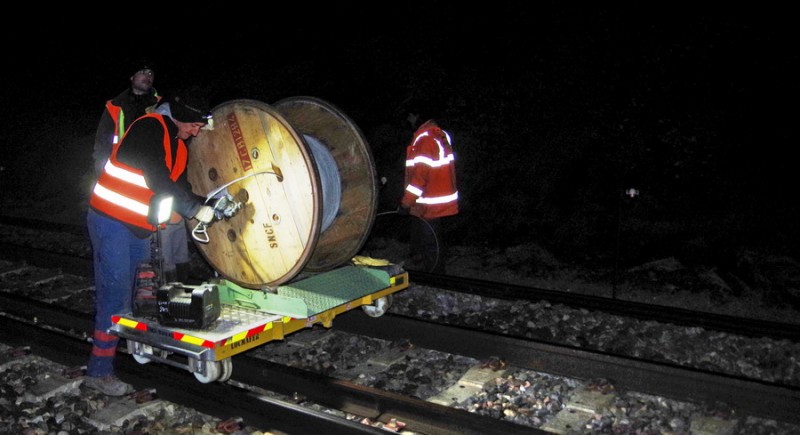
343	143
296	199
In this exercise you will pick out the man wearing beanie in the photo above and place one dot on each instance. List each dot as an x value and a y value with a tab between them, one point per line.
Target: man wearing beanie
176	262
120	111
150	159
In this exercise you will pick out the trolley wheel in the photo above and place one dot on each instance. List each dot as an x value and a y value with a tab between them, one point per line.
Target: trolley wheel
212	371
135	346
379	307
227	369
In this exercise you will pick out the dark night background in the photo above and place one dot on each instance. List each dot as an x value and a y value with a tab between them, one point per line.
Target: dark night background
554	110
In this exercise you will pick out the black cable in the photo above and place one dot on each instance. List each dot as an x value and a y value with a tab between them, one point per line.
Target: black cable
430	227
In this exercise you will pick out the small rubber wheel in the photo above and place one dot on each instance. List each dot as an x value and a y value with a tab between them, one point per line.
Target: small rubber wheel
212	371
378	307
134	347
227	369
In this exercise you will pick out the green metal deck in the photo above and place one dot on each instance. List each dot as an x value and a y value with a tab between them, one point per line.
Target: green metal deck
340	286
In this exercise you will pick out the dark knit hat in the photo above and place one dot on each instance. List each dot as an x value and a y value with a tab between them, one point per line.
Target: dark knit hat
141	65
189	108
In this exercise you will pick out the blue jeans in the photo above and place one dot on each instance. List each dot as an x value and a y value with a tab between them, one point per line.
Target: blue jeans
116	252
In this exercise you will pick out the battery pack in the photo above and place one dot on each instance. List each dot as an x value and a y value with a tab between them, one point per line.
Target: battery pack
188	307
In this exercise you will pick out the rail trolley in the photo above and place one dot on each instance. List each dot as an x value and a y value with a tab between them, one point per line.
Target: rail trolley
303	182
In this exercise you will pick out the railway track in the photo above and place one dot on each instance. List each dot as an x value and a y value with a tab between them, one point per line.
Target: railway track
62	338
43	243
775	401
226	402
659	313
65	330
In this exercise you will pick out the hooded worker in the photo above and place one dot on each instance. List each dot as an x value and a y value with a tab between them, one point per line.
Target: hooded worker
430	193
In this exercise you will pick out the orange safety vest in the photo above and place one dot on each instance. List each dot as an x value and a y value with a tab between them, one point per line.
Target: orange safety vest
430	175
121	190
119	121
118	117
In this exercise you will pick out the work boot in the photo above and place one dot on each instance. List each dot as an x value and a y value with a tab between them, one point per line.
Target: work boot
109	385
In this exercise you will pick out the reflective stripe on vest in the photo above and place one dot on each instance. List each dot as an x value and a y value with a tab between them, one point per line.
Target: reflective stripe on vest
116	115
121	190
442	163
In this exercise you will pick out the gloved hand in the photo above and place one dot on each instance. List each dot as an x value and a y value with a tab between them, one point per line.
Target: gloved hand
402	211
226	207
205	214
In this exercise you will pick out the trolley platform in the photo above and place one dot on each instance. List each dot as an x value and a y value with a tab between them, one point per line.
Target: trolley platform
250	318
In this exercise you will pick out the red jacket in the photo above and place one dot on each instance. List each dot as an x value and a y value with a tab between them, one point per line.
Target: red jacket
430	175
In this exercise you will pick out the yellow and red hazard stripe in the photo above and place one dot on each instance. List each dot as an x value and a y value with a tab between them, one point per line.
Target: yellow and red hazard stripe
128	323
252	331
193	340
